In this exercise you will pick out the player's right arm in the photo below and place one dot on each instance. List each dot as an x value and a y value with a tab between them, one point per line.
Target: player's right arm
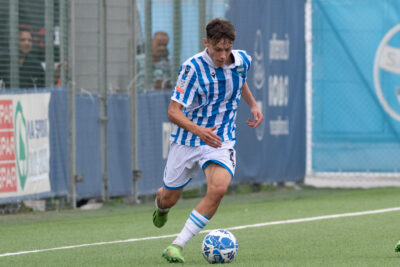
255	111
175	115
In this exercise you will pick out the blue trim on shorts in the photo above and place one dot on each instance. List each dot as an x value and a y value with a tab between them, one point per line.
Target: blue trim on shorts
177	188
205	165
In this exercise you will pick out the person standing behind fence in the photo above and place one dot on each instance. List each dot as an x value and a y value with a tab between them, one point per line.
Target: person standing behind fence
203	108
161	66
31	73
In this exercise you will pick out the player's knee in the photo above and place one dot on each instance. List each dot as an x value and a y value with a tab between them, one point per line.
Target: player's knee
218	192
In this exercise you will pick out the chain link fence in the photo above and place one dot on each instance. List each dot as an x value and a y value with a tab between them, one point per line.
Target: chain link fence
105	56
353	84
34	46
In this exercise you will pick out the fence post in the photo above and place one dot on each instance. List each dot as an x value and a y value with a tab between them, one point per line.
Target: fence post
134	23
72	110
49	42
177	36
13	45
148	74
63	40
103	95
202	23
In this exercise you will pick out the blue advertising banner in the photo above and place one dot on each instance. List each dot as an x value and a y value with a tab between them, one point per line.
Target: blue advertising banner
273	33
356	93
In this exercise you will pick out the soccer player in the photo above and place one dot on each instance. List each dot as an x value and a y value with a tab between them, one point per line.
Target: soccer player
203	109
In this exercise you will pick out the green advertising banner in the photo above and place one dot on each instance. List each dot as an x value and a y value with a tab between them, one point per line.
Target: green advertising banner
24	144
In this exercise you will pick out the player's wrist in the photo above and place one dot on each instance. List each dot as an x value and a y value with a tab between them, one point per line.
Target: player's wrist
196	130
254	106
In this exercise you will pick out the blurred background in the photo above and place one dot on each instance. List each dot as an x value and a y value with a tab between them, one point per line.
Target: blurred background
85	87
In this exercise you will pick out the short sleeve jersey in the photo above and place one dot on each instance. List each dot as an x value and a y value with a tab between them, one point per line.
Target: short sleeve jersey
210	95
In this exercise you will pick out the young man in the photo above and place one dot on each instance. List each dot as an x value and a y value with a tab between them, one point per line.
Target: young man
203	109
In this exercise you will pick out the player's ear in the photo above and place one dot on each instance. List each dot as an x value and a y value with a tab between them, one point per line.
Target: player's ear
205	42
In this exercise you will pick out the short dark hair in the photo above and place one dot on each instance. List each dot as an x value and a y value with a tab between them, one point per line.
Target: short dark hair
25	28
219	28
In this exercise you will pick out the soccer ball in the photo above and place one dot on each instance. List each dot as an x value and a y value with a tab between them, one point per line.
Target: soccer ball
220	246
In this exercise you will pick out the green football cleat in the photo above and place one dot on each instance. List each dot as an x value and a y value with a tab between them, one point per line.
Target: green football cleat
159	219
397	247
173	253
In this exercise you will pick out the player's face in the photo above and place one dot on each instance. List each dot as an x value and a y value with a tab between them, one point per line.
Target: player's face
220	51
25	42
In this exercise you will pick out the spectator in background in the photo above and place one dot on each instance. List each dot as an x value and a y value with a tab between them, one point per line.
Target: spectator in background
31	73
161	65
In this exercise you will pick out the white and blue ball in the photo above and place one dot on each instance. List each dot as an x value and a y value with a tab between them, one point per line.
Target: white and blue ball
220	246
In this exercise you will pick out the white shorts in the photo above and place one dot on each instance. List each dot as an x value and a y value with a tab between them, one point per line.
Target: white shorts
184	161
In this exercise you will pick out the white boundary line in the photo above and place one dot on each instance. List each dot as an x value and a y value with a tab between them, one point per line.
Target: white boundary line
318	218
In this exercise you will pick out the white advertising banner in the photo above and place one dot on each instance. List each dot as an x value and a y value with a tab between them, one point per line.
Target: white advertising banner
24	144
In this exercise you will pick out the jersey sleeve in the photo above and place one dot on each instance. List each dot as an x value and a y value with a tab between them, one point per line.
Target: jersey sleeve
246	59
249	60
186	86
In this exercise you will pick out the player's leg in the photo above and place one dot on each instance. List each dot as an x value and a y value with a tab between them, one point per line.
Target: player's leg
165	199
219	167
177	173
218	180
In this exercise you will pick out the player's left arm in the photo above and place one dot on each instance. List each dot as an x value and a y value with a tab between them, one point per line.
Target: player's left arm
258	117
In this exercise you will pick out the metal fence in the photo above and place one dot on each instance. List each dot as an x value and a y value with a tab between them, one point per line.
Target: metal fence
115	62
34	43
126	47
96	49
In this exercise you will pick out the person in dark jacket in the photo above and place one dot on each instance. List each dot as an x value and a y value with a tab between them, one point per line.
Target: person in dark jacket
31	73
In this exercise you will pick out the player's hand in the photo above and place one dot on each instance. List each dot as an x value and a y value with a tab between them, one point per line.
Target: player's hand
209	137
258	117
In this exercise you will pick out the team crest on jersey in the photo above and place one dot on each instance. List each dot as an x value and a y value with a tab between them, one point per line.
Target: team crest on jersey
213	75
187	69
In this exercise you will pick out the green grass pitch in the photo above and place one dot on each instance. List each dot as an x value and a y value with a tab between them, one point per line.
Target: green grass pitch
366	240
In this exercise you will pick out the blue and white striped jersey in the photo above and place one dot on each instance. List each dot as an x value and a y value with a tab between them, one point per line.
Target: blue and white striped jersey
210	95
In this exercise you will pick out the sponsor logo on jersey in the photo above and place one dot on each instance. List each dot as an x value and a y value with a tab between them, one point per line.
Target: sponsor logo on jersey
180	86
240	70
